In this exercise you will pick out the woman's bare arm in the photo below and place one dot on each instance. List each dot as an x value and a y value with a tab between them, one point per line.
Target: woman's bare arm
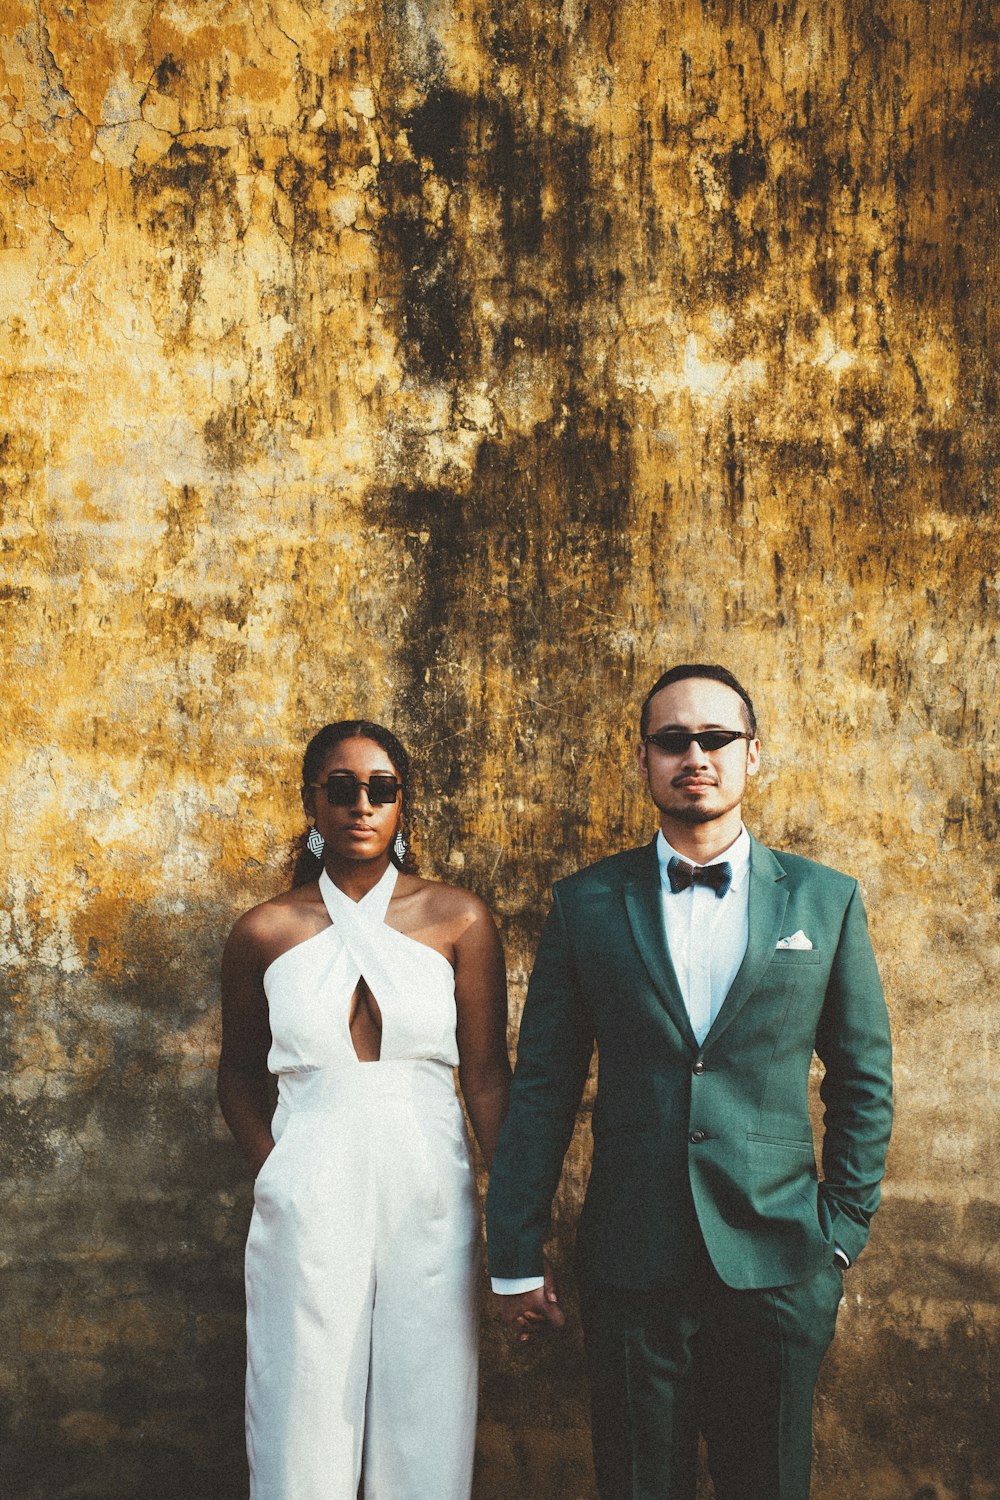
245	1087
481	999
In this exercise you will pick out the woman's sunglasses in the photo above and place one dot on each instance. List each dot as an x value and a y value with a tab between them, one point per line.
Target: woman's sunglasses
342	788
676	741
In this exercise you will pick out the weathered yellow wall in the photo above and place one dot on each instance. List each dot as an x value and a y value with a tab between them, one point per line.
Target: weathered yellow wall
464	365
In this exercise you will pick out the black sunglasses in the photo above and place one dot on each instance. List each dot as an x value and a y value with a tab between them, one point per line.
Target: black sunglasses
676	741
342	788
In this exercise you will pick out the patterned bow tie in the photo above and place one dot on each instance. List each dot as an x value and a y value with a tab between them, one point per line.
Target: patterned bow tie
681	875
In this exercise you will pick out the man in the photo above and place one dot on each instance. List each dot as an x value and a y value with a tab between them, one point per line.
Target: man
708	969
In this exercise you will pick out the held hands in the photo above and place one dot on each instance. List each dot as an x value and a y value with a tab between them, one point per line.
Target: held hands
527	1314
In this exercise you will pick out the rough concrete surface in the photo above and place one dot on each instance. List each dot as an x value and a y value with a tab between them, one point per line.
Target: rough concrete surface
464	365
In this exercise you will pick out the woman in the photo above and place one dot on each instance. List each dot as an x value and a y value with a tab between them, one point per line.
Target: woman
361	988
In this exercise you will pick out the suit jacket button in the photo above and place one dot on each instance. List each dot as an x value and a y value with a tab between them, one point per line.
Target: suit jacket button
697	1136
699	1067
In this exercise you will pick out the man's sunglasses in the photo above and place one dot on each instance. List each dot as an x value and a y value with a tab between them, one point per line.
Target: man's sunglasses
342	788
676	741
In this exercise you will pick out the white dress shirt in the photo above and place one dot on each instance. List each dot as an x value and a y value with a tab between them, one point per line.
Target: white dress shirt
706	933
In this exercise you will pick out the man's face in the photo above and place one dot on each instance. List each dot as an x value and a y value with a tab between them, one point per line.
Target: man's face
696	785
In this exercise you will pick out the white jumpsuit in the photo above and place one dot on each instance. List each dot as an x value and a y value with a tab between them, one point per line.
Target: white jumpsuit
361	1261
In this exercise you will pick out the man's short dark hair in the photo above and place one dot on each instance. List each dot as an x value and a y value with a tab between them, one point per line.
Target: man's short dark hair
698	669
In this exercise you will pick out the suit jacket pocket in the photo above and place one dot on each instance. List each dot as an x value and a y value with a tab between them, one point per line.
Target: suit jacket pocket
782	1174
786	956
793	1143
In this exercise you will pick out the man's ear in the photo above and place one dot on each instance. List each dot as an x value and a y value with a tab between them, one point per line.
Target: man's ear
640	757
753	757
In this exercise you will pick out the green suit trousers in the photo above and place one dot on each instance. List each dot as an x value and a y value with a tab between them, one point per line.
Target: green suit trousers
739	1366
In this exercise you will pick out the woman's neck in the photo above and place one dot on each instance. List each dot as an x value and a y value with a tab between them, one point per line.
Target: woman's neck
356	877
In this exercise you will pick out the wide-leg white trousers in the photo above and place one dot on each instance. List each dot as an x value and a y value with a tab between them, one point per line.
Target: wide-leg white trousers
361	1271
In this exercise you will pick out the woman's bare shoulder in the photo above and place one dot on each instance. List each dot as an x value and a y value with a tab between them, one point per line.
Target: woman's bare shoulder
445	905
280	920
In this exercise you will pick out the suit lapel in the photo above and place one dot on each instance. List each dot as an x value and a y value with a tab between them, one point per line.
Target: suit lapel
645	915
768	897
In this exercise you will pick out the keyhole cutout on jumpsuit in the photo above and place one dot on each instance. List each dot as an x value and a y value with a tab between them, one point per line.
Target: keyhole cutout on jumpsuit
365	1023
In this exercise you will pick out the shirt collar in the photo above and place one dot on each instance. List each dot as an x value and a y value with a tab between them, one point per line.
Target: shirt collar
737	856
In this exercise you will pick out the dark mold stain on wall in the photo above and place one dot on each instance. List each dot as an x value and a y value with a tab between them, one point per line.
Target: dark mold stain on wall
433	297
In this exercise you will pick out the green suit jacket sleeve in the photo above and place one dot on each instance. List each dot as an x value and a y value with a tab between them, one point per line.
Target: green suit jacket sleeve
707	1144
852	1042
554	1048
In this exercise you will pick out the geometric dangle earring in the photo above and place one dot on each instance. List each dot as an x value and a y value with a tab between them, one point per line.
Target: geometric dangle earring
315	842
399	846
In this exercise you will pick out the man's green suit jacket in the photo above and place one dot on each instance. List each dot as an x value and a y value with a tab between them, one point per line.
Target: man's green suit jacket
710	1142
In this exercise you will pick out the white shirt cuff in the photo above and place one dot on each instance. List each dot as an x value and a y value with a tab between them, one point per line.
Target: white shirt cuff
843	1257
509	1286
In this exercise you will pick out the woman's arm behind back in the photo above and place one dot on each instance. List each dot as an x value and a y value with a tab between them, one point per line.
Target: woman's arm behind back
481	1000
245	1087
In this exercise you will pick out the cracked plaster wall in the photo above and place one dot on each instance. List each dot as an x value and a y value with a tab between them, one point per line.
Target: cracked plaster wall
464	364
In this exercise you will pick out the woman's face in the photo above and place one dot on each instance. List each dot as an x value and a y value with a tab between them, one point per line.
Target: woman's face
360	830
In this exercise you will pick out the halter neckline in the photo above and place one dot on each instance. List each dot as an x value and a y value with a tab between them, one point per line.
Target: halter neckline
373	904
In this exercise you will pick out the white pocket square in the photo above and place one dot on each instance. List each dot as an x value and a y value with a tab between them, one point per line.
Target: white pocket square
797	940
